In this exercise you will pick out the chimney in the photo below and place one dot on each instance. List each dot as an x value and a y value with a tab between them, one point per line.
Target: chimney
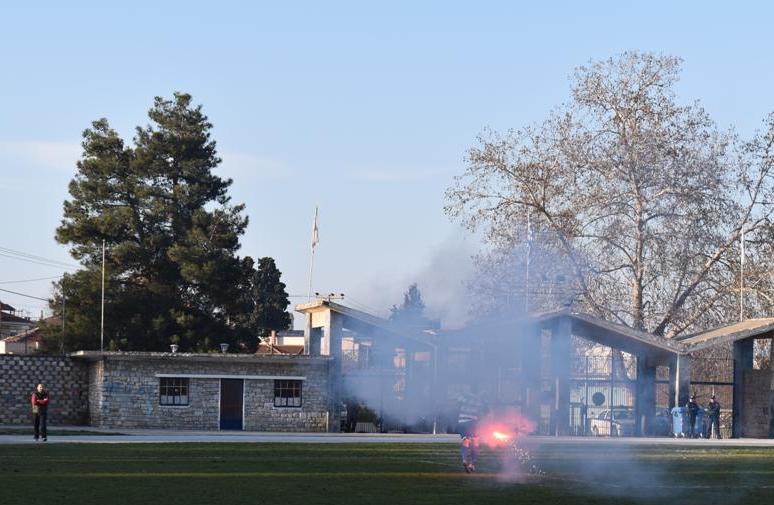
273	338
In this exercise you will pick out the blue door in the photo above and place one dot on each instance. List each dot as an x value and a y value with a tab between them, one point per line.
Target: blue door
231	404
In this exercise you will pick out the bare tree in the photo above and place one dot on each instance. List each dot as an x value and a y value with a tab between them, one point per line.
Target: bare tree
644	197
522	274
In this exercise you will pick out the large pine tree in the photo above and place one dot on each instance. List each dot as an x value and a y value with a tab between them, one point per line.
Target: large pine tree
271	299
173	275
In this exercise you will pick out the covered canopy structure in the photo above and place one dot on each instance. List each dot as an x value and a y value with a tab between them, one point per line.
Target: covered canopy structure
753	390
530	363
391	367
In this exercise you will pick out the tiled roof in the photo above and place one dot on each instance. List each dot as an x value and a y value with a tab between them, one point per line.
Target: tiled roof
33	333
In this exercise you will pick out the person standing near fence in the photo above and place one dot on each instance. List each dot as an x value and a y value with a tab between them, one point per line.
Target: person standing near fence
693	409
40	411
713	411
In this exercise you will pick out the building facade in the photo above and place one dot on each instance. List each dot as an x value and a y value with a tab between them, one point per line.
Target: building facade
172	390
207	391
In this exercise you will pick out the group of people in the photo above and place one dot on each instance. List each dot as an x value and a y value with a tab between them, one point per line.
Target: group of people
712	424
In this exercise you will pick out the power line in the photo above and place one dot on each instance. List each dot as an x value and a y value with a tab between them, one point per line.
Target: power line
33	257
22	294
33	261
31	280
24	256
367	307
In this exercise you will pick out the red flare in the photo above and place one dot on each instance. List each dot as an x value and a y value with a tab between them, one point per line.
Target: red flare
503	428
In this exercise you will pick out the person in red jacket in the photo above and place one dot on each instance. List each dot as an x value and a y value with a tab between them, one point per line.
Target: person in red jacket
40	411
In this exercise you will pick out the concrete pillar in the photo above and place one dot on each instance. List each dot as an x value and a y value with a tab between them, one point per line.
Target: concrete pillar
308	334
560	368
332	347
315	340
672	383
531	361
440	389
743	360
410	391
645	406
325	343
682	379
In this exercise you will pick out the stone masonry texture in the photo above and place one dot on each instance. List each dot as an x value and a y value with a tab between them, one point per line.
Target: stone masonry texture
124	391
757	384
65	379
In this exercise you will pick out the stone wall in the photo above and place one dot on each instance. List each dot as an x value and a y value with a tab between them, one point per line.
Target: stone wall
65	379
755	404
124	391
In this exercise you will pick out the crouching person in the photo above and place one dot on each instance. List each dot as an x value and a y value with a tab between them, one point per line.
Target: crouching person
471	410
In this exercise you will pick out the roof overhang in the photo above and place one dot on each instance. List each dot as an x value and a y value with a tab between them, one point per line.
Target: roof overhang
183	357
750	328
363	322
613	335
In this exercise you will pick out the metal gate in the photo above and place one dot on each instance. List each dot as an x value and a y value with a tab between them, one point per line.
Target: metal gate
603	395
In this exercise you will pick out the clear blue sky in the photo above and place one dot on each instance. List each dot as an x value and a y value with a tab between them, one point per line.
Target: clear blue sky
363	110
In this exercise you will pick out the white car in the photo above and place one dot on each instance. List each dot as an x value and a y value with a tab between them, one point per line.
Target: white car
621	423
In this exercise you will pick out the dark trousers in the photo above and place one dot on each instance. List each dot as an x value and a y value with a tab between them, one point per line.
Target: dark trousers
714	425
39	422
692	425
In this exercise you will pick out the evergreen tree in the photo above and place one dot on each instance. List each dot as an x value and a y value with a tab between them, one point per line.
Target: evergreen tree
271	299
172	273
412	311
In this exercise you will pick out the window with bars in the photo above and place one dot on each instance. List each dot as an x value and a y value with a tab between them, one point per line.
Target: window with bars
287	393
173	391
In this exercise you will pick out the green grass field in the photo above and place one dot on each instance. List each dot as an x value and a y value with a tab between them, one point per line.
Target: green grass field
376	474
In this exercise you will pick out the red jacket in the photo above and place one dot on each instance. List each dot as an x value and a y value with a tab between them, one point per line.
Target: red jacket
39	402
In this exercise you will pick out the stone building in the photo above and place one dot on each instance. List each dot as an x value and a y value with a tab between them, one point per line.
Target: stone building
207	391
172	390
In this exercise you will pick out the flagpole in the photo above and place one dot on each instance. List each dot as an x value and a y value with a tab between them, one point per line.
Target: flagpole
311	268
315	239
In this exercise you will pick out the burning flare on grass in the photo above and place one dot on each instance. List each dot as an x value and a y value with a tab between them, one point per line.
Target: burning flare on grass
503	431
503	428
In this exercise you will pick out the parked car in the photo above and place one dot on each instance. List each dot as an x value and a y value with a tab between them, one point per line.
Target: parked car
615	423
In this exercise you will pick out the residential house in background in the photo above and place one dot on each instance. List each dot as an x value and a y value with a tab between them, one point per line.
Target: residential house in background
26	342
12	325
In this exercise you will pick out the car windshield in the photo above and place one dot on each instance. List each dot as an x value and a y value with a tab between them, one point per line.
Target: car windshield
617	414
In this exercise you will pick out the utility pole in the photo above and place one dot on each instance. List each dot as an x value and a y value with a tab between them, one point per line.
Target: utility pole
529	255
102	320
62	340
